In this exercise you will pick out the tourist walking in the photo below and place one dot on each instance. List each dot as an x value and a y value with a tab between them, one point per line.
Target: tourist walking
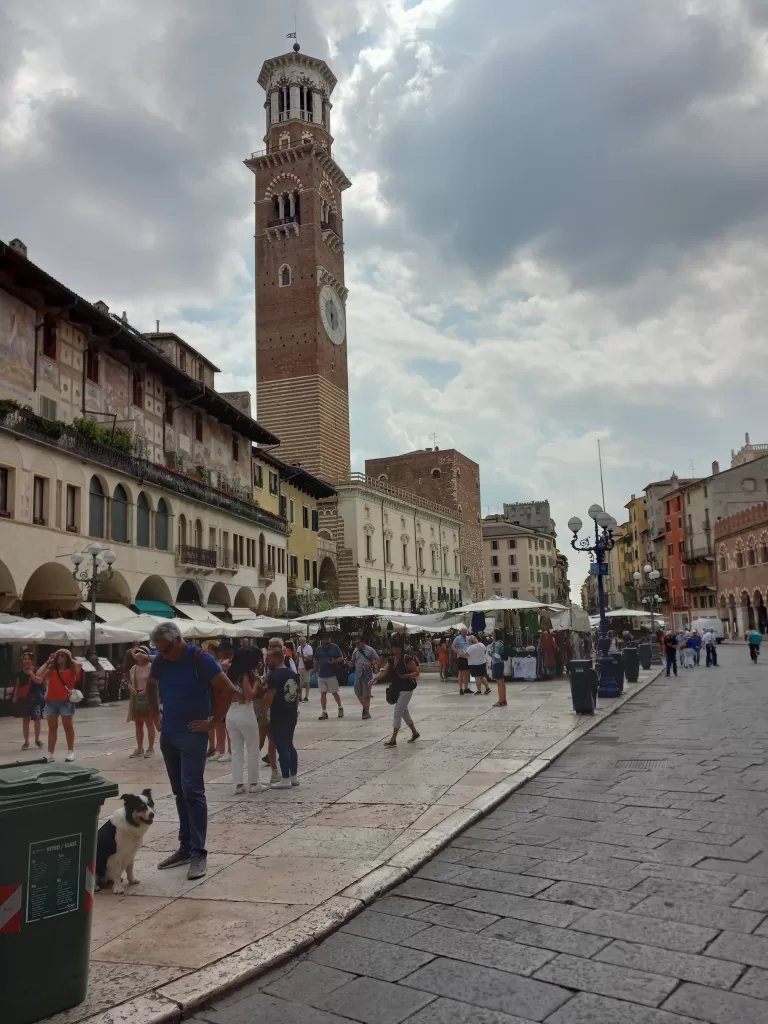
305	656
195	695
328	657
61	674
281	700
710	648
478	665
754	639
689	652
364	662
460	645
28	700
139	709
497	668
400	673
670	650
242	723
442	658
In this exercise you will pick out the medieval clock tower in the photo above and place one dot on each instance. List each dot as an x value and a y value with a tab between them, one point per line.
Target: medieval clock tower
301	333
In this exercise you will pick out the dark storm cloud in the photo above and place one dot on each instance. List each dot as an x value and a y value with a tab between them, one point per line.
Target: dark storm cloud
608	136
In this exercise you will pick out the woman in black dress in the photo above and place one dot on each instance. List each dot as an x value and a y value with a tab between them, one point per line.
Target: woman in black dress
28	700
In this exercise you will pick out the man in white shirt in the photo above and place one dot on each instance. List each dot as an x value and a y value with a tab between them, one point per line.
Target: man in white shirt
304	656
710	646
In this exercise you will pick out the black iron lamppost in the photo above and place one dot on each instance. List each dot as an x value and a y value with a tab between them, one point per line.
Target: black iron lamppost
651	588
605	524
93	576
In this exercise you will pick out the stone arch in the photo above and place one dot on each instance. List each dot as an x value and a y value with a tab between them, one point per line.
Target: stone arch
732	615
244	598
327	192
761	613
747	611
327	577
219	594
51	587
272	604
198	534
118	520
8	594
282	607
722	559
762	548
162	525
182	530
286	181
154	588
739	555
189	593
115	590
284	276
97	507
262	606
750	551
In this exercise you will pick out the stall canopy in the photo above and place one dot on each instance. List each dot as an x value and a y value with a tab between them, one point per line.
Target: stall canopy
198	613
110	611
157	608
570	617
503	604
241	614
20	632
347	611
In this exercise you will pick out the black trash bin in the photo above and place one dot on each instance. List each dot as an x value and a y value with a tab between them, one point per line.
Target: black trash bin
583	686
644	653
48	819
631	658
618	669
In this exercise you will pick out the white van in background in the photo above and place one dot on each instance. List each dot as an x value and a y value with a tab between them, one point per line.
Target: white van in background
714	625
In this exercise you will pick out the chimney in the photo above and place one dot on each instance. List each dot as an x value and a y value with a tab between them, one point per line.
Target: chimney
746	438
102	307
715	468
124	317
18	247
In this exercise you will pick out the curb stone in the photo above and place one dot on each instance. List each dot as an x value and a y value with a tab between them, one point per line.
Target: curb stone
177	999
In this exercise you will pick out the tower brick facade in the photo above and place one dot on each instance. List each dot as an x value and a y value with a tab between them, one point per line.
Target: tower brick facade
301	342
448	478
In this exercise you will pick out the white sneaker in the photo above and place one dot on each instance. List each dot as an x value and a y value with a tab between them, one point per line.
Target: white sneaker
214	757
49	758
275	776
70	755
239	790
150	752
138	752
282	784
224	758
295	781
257	787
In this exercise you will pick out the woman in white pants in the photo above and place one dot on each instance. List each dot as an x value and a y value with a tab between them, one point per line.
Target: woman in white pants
242	724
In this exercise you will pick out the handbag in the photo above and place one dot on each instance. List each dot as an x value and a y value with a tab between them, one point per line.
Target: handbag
75	695
392	693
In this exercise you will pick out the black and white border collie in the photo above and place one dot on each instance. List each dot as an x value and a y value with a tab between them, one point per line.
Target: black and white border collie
120	839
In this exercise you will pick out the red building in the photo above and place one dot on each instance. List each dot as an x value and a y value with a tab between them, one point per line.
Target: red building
677	569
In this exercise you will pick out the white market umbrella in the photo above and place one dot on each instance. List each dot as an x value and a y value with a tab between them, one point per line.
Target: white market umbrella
347	611
628	613
144	624
20	632
504	604
79	631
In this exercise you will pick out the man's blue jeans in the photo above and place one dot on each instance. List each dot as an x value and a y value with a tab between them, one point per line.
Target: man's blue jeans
282	730
672	661
711	654
184	756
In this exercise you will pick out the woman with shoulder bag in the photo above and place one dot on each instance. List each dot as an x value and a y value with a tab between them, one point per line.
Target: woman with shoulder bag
62	674
139	709
401	674
28	699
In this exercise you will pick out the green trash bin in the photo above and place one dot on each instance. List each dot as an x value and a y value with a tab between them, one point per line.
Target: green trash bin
48	819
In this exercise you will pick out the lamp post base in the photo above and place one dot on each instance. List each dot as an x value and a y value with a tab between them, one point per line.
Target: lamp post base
608	685
92	698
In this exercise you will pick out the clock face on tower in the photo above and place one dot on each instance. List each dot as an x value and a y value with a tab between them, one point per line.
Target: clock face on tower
332	315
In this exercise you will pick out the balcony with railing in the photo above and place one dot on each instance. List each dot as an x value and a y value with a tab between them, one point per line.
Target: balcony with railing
188	554
698	553
69	441
278	221
267	574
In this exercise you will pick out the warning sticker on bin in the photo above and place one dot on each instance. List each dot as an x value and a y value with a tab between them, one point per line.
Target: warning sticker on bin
10	909
53	882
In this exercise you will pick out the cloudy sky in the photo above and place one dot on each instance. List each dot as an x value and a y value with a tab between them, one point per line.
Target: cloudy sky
556	231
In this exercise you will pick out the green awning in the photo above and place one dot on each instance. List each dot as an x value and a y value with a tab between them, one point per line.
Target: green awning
158	608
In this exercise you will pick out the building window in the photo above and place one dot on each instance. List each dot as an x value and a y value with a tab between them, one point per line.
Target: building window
71	508
512	543
681	546
50	330
434	560
258	476
435	474
182	360
514	577
292	511
368	551
456	564
161	526
305	517
142	521
497	577
294	562
47	408
285	276
92	364
670	549
137	390
513	559
314	574
168	409
494	559
200	370
199	426
235	448
283	506
306	570
38	501
274	482
668	526
96	508
494	545
405	556
514	594
315	521
119	518
672	573
679	522
387	551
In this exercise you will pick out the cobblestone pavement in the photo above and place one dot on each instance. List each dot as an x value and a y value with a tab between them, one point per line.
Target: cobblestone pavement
284	865
627	884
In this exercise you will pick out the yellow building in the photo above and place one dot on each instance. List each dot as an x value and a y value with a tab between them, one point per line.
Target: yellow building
292	493
638	529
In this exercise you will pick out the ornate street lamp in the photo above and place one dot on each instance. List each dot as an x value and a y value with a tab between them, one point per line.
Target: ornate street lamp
650	587
605	524
309	596
93	576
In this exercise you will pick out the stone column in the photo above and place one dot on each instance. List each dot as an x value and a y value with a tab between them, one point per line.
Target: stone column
295	105
292	203
280	207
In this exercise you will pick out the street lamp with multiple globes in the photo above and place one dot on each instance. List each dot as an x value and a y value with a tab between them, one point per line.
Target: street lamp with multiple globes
651	588
605	524
93	576
309	597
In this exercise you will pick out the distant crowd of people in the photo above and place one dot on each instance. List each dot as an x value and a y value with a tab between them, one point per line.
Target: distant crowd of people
684	647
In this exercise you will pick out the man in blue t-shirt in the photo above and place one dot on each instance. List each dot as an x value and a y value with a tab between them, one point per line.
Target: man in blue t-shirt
195	695
327	659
